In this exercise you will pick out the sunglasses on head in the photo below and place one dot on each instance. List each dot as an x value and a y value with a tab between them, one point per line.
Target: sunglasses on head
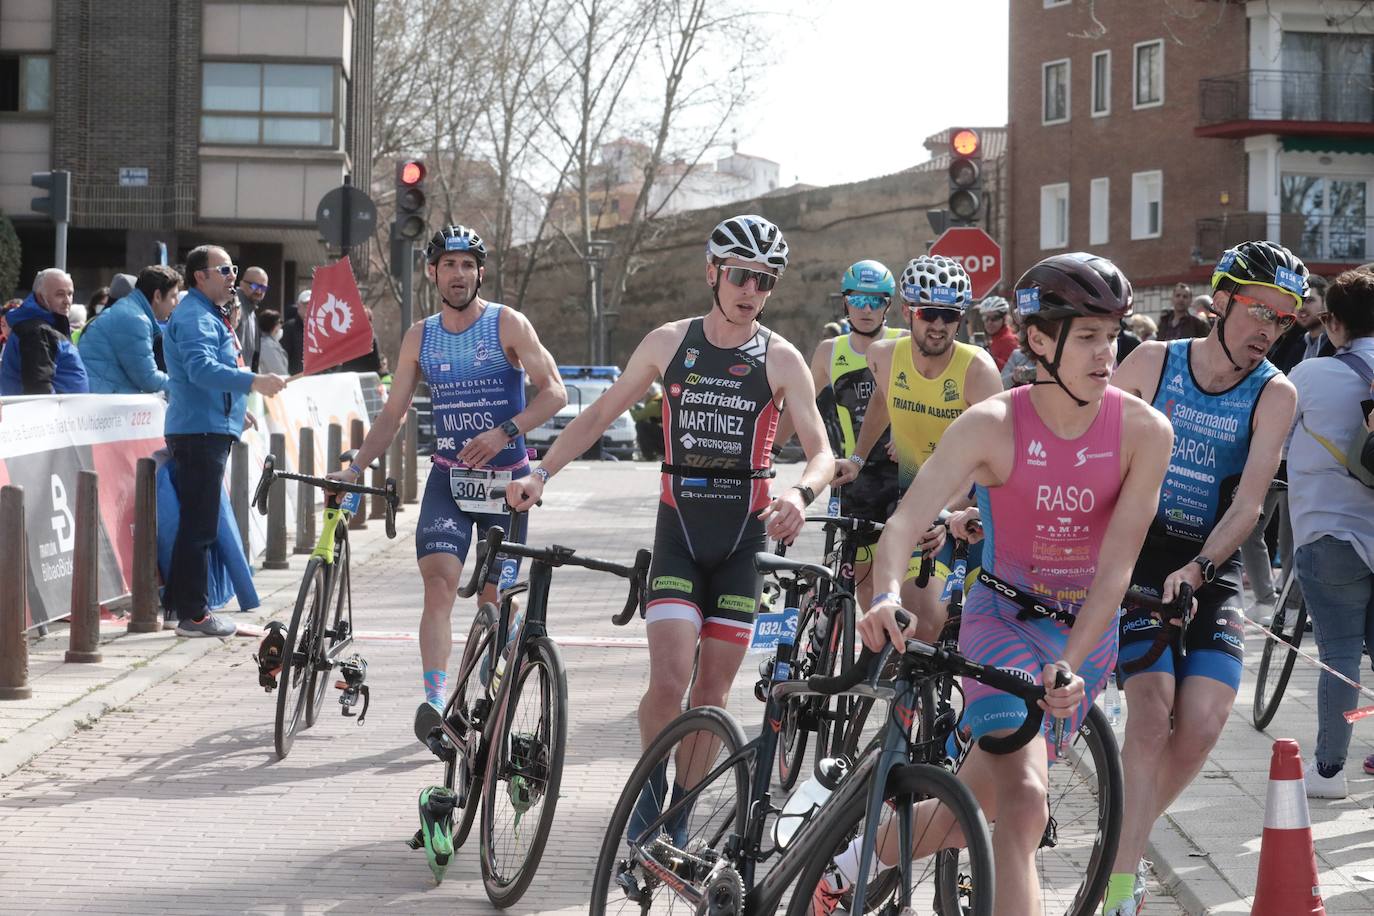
937	312
1264	313
873	301
258	287
738	276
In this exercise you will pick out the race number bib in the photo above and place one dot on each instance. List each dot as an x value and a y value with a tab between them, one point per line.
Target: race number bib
479	491
771	627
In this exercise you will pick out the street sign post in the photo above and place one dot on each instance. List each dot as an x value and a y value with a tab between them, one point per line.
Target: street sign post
346	216
979	254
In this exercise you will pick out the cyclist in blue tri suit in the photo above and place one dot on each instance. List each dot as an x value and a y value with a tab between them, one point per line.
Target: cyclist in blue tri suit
475	356
1231	410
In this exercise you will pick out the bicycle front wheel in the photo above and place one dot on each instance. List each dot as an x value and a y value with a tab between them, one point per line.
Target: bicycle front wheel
1276	661
645	868
468	710
524	771
297	657
800	713
945	813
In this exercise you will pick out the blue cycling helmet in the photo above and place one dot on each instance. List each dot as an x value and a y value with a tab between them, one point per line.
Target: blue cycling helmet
868	277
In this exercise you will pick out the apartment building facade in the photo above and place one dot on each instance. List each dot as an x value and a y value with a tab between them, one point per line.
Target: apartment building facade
183	122
1158	134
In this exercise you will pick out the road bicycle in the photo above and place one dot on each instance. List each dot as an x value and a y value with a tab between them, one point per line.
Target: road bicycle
296	660
704	848
503	742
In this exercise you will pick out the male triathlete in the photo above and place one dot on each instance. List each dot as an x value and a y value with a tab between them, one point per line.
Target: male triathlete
725	379
1231	410
841	364
927	380
475	356
1068	472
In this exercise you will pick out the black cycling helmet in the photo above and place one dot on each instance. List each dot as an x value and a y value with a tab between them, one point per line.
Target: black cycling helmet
1069	286
456	238
1262	263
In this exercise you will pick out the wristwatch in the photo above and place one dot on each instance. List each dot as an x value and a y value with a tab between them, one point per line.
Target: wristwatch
808	494
858	461
510	429
1208	568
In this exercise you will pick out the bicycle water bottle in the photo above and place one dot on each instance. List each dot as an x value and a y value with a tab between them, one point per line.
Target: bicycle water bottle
809	796
505	654
1111	700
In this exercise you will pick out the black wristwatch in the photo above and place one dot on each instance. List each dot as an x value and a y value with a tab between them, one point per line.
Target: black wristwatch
1208	568
510	429
808	494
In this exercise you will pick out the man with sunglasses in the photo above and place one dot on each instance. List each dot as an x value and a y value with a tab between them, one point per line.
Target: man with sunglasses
1231	410
926	381
725	378
251	291
207	399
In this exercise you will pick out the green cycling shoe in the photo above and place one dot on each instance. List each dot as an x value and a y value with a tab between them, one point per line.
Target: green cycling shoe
436	829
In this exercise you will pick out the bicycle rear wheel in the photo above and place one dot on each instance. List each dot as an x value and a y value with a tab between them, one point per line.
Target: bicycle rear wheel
524	771
957	811
1276	662
298	657
330	636
640	877
800	714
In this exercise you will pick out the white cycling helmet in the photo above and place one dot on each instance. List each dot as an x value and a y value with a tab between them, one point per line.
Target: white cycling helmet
749	238
993	306
935	280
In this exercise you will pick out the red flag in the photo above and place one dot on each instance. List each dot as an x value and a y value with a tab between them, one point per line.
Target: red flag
336	327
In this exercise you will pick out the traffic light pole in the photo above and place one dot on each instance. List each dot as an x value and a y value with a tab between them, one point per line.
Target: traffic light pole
407	288
60	255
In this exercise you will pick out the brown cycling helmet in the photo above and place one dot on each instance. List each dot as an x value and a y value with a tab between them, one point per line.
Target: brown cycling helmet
1068	286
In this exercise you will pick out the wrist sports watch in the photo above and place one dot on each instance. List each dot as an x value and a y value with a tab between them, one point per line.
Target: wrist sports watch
1207	567
510	429
808	494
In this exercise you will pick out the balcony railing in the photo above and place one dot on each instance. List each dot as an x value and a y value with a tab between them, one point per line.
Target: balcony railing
1340	239
1285	95
154	206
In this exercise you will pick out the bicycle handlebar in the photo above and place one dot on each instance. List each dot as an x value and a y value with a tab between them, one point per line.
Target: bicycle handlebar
331	486
1180	609
870	664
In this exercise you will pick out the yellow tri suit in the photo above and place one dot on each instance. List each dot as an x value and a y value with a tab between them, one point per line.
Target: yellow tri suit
853	386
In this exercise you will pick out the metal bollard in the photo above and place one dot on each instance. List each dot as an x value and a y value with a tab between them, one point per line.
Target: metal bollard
83	638
14	597
333	448
276	513
146	617
305	494
395	458
378	509
359	520
412	467
240	494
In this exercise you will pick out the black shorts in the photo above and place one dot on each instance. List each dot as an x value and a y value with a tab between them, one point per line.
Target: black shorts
703	570
874	494
1216	636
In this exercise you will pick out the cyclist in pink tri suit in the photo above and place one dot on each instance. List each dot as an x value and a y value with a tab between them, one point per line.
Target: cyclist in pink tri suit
1068	473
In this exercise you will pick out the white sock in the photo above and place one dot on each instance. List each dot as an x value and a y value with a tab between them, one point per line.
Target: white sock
847	862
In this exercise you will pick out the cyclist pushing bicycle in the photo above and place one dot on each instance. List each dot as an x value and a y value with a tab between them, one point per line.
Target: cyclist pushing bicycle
475	356
1068	472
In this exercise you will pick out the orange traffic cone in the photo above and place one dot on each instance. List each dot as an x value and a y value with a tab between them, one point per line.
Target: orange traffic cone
1287	883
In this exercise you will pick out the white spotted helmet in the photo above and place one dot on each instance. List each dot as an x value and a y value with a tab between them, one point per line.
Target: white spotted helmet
748	238
993	306
936	280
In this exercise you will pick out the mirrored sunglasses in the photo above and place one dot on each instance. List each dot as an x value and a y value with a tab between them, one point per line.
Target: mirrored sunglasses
738	276
1264	313
258	287
872	301
936	312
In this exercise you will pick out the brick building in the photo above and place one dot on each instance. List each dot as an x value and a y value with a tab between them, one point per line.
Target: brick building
1159	133
183	122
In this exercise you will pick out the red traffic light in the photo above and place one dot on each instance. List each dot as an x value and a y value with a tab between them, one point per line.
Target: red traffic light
412	172
964	142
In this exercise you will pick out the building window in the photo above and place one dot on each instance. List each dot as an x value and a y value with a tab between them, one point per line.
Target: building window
1149	74
1147	204
1102	84
1098	193
1053	3
25	83
1055	86
270	104
1054	216
1330	221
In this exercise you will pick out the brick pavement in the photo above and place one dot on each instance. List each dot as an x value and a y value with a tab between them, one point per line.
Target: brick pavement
164	794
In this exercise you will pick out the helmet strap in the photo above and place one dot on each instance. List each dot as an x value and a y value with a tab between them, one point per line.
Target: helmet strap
715	297
475	290
882	326
1221	333
1052	366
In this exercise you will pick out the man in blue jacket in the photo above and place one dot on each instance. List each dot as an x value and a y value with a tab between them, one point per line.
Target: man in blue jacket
118	348
207	398
39	356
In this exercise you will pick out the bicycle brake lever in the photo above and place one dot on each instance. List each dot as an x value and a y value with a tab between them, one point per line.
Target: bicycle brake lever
1057	731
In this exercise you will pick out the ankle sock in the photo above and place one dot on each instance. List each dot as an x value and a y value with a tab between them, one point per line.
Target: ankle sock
1326	771
1120	888
435	688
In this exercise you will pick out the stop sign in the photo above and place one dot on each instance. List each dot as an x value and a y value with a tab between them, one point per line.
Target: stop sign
980	256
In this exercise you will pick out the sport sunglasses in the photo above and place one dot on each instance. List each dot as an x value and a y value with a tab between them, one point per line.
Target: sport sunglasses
871	301
258	287
1264	313
934	312
738	276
